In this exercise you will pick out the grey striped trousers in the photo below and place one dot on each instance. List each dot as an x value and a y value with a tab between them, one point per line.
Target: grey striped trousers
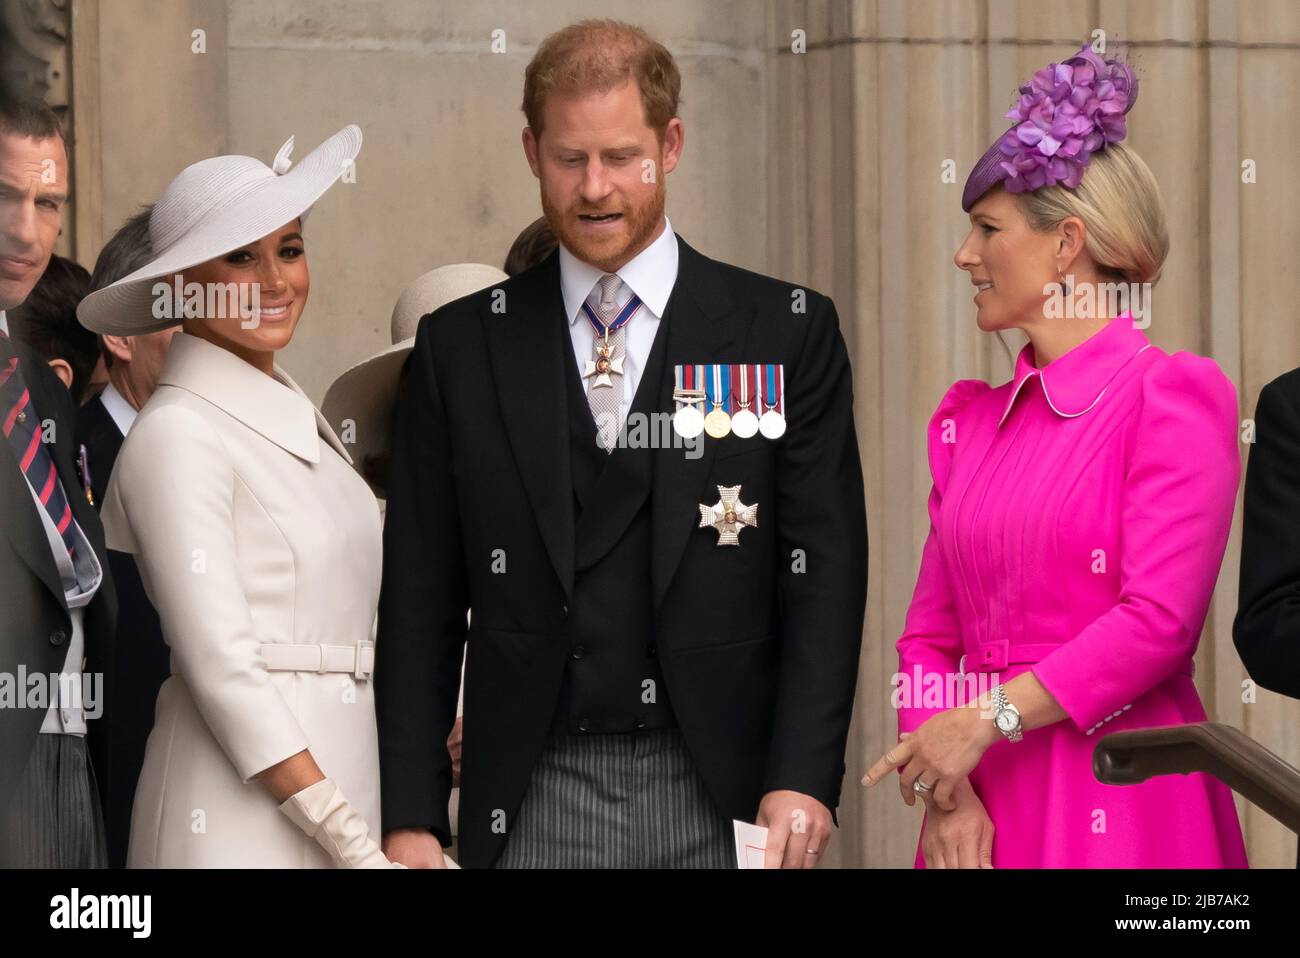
618	801
54	819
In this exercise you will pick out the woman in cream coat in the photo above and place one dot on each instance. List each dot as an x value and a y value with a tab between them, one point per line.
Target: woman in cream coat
256	541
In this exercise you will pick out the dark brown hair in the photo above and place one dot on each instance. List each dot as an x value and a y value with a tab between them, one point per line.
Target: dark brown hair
47	322
531	246
29	118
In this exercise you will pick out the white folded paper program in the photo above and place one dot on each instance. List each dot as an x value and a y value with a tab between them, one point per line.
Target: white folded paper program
751	844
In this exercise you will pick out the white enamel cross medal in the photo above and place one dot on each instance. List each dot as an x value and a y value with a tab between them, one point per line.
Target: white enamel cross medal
603	365
729	515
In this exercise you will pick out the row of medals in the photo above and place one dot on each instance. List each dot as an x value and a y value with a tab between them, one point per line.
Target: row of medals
689	422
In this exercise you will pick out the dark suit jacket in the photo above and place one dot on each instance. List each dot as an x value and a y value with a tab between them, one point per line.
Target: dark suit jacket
135	662
97	431
1266	630
760	657
35	625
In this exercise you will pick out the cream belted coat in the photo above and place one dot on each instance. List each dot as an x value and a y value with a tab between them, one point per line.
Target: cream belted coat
250	528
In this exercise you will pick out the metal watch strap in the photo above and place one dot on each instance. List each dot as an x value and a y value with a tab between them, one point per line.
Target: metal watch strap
998	696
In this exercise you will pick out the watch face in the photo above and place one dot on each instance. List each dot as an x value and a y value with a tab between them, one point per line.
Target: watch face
1006	720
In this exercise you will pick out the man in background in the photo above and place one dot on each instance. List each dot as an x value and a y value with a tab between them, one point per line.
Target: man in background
137	662
56	596
534	243
47	322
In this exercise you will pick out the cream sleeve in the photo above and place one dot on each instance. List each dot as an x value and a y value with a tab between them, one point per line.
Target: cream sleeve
170	503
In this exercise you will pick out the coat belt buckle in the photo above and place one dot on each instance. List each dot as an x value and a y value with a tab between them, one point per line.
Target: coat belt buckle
993	656
359	672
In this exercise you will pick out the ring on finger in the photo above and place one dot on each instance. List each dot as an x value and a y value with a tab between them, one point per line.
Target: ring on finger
920	786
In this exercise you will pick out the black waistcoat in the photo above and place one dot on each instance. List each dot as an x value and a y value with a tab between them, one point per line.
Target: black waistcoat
613	682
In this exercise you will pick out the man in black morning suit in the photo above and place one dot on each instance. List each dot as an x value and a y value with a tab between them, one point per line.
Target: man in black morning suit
137	661
1266	629
57	598
135	664
612	638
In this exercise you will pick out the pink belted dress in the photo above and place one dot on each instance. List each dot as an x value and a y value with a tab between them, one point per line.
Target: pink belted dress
1079	515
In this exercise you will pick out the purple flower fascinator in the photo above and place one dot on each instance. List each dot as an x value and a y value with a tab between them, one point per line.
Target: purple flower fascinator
1069	111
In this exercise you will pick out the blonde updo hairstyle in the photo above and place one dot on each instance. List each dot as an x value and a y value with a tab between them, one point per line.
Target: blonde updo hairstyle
1119	203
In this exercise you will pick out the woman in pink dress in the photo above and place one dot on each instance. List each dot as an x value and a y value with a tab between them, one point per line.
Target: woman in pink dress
1079	515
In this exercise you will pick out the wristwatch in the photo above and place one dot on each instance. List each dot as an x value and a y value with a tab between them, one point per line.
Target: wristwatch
1005	715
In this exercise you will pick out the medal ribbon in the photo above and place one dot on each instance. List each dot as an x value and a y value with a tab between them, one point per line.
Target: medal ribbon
720	380
774	380
740	376
687	378
620	320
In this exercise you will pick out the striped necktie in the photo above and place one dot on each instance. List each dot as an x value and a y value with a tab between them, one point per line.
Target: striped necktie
23	433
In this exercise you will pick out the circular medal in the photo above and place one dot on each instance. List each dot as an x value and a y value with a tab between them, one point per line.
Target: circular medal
744	424
772	424
688	422
717	423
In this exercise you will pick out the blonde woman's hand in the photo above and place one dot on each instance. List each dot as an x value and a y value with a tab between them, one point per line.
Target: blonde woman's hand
961	838
939	754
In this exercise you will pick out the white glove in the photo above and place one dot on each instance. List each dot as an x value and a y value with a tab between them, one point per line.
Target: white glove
323	813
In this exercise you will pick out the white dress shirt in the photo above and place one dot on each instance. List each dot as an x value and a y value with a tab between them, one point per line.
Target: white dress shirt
80	583
650	275
122	412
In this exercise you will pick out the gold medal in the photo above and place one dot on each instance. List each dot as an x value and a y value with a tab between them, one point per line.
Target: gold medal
717	423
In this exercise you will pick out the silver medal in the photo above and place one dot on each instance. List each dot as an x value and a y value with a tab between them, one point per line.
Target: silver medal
772	424
688	422
744	424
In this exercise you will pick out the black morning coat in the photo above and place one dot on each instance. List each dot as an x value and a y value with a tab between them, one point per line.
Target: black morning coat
1266	630
758	644
139	662
35	625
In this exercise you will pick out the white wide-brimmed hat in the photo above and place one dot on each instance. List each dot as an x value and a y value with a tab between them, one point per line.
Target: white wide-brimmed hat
213	207
359	404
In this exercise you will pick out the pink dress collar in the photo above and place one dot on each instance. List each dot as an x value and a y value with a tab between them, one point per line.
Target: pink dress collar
1075	382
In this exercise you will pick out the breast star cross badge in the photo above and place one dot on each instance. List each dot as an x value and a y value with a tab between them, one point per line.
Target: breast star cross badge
602	366
728	516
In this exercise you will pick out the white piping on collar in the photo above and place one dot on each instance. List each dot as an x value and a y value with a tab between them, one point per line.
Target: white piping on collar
1046	395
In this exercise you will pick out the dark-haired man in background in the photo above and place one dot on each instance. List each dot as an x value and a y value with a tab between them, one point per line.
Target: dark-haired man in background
136	662
47	322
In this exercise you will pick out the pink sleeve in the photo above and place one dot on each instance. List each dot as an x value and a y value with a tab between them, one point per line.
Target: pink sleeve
1180	486
931	642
